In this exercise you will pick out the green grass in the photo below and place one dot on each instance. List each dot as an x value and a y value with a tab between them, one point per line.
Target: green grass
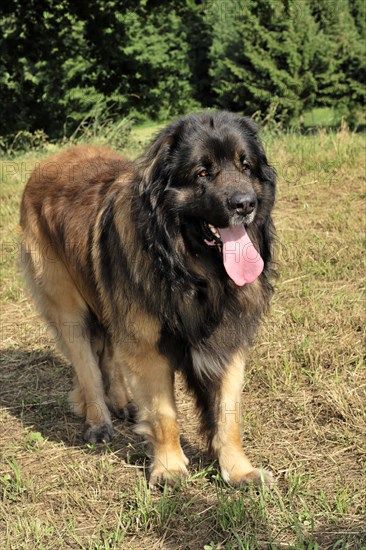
304	396
322	116
328	117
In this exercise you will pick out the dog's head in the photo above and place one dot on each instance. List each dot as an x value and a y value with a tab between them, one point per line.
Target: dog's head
209	173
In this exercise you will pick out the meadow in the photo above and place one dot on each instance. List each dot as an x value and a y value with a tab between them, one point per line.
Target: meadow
304	397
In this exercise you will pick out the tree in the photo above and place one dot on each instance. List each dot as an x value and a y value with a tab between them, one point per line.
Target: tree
344	84
263	55
65	62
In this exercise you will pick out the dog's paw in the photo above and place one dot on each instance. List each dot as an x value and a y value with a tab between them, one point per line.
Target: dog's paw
161	474
127	413
256	476
159	477
99	433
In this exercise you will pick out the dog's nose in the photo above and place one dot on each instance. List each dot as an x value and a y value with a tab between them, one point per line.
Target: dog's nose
243	203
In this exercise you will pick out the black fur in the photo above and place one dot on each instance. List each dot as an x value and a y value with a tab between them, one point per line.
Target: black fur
190	304
167	267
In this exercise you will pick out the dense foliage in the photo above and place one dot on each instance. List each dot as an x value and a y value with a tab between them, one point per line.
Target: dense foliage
64	62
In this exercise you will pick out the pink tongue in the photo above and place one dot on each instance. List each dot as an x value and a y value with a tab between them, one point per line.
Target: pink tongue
242	262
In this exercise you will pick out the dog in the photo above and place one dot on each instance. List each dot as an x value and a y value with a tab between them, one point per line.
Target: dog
155	266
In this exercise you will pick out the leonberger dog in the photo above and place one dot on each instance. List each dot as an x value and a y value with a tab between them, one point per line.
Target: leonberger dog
155	266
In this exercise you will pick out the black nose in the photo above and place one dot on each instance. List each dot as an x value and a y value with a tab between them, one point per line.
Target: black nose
244	203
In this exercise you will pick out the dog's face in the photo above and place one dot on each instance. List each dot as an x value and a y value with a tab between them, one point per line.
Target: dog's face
211	170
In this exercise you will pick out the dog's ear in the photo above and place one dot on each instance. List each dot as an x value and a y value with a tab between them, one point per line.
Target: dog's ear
248	126
251	129
153	167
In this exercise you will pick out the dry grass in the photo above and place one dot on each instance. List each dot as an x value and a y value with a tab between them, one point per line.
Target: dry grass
304	396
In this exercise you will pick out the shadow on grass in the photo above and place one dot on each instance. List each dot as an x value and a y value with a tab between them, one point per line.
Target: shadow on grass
35	385
34	388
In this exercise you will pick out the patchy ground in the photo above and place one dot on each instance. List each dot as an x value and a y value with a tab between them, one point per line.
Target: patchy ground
304	396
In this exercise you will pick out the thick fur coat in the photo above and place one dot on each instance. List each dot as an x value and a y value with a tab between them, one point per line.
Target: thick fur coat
126	261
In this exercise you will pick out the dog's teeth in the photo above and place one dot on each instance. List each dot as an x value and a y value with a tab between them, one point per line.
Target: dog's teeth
213	230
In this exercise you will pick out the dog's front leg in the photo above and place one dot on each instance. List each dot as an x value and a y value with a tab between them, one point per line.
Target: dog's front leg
150	381
226	439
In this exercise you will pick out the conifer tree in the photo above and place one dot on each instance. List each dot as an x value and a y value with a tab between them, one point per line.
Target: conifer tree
264	53
344	31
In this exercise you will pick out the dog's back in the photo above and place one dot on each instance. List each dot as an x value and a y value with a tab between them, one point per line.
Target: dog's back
59	209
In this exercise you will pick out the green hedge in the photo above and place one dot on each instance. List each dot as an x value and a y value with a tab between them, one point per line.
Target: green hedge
63	62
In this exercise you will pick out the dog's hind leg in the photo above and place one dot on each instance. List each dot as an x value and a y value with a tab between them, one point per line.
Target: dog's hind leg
65	310
87	396
117	397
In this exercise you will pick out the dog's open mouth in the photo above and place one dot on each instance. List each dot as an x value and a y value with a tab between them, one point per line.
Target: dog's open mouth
211	235
242	261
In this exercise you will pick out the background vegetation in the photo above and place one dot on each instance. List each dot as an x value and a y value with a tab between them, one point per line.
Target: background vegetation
65	62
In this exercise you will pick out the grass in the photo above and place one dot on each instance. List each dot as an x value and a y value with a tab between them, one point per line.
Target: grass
322	116
304	397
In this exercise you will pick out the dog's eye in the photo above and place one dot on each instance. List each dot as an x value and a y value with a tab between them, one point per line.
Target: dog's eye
246	166
202	173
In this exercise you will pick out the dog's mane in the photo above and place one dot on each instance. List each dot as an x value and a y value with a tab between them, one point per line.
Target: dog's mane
162	269
157	223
